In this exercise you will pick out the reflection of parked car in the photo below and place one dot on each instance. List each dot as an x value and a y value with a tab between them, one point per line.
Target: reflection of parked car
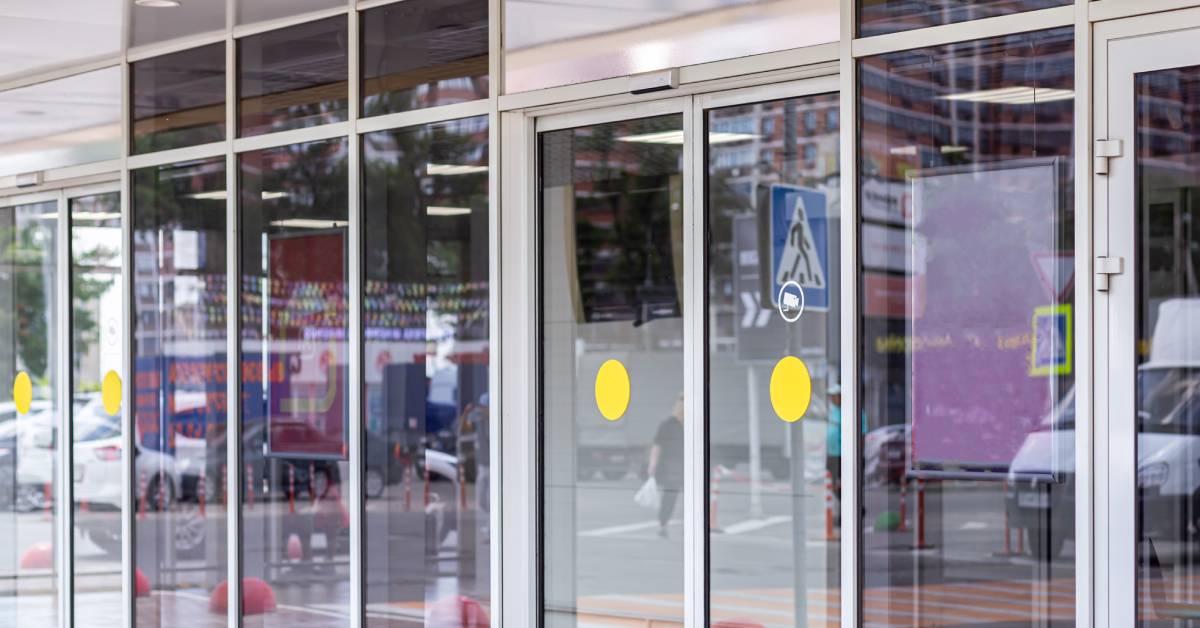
8	409
1041	491
885	453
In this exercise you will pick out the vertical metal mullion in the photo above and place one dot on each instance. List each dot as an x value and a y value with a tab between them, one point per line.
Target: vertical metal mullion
357	506
233	371
695	528
64	499
850	332
1084	348
495	324
128	438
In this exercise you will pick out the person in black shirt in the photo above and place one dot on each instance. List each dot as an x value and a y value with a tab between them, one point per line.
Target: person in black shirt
666	463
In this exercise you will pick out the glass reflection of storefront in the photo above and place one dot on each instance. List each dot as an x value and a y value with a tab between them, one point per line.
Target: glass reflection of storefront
967	250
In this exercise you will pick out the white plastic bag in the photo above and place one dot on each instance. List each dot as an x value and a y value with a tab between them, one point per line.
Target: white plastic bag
648	496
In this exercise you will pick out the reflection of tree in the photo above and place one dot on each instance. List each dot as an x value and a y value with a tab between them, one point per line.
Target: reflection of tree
86	290
27	250
407	246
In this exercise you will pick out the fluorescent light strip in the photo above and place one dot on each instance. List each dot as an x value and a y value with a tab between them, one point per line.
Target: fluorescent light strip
220	195
1020	95
434	210
676	138
453	169
309	223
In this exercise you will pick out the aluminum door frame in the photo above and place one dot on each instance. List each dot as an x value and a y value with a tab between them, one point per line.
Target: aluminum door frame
1122	48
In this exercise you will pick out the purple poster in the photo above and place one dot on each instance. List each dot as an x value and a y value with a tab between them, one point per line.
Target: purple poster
979	387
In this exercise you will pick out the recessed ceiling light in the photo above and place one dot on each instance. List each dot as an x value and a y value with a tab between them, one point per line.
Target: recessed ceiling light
157	4
434	210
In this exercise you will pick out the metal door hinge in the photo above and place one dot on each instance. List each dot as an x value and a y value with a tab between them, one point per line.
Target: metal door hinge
1106	267
1106	150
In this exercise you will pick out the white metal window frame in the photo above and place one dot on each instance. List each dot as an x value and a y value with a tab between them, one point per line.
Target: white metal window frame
511	149
1123	48
114	175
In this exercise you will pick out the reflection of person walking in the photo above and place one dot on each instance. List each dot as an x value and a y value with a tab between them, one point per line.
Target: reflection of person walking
666	463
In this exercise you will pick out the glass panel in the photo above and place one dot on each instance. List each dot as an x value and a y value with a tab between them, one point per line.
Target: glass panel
65	122
28	414
295	522
39	34
97	338
424	53
612	410
259	10
774	462
877	17
967	255
426	353
179	390
1167	315
572	41
293	77
151	23
178	99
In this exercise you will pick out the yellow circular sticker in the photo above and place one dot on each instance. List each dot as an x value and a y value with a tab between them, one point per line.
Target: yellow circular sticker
22	392
110	393
791	389
612	390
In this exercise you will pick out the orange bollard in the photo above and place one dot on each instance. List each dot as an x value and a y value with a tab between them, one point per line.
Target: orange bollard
830	534
312	481
202	490
291	489
921	544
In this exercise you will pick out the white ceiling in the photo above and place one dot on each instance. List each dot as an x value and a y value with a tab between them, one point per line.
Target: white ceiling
39	34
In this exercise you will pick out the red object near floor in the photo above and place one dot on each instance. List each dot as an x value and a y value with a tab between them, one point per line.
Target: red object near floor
458	611
141	584
257	597
38	556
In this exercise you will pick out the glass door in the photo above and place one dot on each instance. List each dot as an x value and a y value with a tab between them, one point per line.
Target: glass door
687	335
1148	235
97	345
614	409
61	313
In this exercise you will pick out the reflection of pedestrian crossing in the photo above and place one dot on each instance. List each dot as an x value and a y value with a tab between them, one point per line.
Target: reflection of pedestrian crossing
949	604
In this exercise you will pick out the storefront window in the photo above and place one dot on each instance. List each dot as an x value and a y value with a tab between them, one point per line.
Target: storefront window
967	392
293	77
179	400
878	17
295	413
29	415
424	53
97	343
426	398
612	409
178	99
774	466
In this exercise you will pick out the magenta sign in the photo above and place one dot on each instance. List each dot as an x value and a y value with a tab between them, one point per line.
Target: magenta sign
977	388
